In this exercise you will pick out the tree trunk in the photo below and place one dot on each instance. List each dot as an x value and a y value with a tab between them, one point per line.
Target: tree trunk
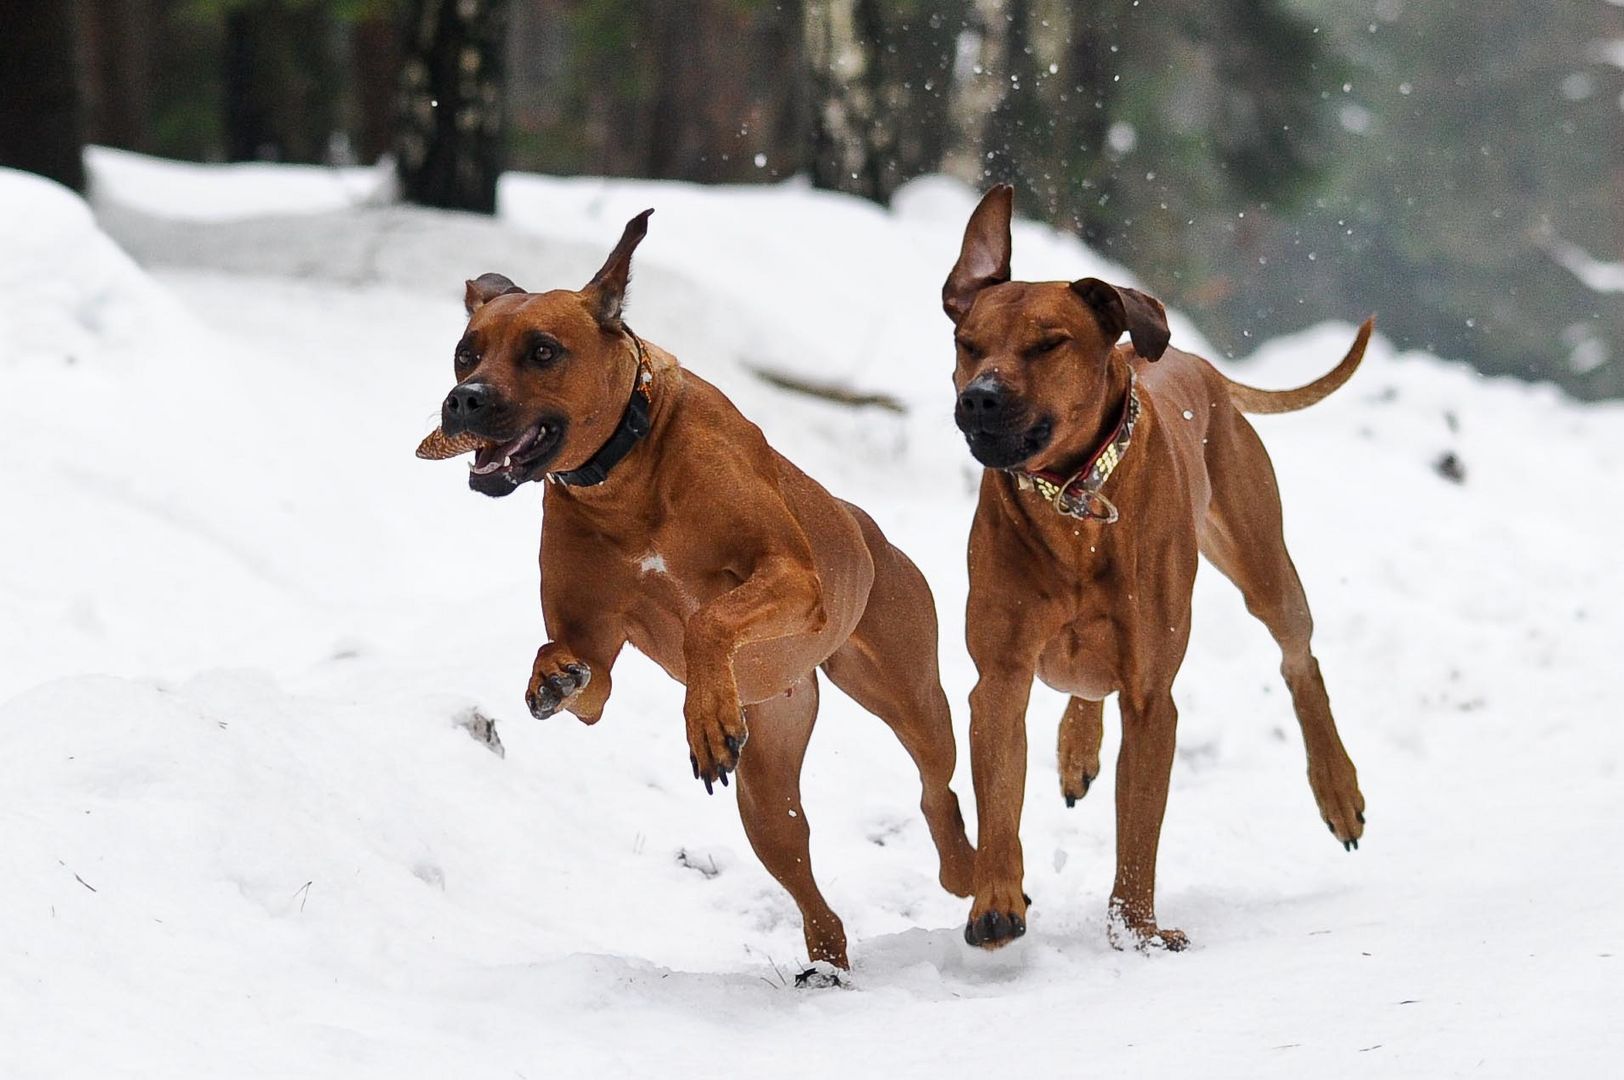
724	92
39	123
116	39
375	61
451	121
889	121
1018	130
281	82
248	125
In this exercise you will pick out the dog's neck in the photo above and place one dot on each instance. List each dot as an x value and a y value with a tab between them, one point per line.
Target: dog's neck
628	432
659	378
1073	484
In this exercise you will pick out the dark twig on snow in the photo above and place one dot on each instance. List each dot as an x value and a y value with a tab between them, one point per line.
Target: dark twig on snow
76	877
827	391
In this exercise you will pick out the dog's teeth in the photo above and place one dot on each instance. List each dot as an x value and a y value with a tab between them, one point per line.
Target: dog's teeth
506	462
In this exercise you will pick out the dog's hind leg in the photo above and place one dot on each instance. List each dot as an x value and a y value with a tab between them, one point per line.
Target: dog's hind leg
1243	538
889	667
1082	727
769	776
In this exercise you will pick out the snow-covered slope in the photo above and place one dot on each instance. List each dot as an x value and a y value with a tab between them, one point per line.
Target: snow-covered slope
243	833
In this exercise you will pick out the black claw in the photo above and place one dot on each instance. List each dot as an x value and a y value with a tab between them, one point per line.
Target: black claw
1331	827
722	776
1026	898
733	744
1361	816
1355	844
995	926
1070	802
695	763
1347	845
708	790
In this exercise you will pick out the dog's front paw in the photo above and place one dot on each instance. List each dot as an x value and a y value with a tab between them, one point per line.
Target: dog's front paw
716	732
997	917
555	678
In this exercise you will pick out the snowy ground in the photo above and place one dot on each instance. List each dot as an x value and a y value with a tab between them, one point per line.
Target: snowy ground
242	834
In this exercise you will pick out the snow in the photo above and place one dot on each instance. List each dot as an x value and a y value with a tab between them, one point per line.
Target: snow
245	835
1594	274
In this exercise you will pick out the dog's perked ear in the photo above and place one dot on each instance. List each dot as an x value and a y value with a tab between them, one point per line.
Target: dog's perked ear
485	288
984	258
1120	308
606	292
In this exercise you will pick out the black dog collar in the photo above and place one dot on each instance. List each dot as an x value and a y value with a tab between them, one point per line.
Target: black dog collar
634	424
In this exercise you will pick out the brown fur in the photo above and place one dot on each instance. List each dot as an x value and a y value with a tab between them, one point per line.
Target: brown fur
1094	609
719	559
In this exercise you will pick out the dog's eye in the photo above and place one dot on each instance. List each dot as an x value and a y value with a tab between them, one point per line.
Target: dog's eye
1047	345
545	352
465	358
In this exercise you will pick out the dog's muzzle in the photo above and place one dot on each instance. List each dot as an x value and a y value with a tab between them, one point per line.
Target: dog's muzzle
997	424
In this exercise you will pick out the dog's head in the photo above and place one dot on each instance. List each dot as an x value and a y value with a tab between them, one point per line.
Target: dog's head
542	378
1033	374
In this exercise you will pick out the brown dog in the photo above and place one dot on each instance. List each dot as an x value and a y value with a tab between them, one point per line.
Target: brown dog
672	525
1086	585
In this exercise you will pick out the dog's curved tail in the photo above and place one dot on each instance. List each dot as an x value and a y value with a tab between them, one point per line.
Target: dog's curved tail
1250	399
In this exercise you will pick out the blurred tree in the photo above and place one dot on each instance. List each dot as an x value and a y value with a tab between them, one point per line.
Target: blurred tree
39	120
1480	141
282	80
1125	121
117	68
882	76
186	113
704	90
449	143
374	50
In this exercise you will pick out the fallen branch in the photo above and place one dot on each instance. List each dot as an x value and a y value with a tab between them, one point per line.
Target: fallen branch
826	391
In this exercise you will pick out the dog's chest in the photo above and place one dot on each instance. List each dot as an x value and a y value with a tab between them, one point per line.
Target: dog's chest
1083	659
665	590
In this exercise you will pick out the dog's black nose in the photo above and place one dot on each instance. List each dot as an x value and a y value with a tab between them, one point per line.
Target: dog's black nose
983	401
463	406
982	397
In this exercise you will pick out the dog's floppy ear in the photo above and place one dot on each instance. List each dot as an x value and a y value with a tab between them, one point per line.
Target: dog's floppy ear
1120	308
984	258
485	288
606	292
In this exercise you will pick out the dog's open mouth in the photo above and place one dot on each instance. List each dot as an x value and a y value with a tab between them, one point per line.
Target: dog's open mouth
514	460
499	467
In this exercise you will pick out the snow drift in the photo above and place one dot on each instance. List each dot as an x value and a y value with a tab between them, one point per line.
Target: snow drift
245	834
